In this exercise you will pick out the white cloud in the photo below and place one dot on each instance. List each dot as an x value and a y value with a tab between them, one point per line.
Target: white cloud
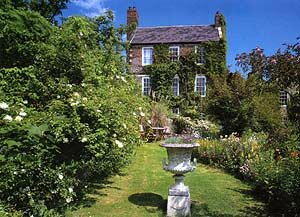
91	8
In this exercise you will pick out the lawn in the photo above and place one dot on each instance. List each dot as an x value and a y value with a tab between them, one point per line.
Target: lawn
141	190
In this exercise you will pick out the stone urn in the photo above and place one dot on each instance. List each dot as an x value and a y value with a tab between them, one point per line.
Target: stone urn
179	162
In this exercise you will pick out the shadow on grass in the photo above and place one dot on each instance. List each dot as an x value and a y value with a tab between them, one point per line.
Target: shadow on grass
93	190
151	201
202	210
260	209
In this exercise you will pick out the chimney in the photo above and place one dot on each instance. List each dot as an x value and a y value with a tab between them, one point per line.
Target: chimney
218	19
132	21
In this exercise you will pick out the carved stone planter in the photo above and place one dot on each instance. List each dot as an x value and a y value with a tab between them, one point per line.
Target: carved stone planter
179	163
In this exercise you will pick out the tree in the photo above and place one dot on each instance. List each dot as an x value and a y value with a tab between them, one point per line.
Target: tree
239	104
281	69
23	37
47	8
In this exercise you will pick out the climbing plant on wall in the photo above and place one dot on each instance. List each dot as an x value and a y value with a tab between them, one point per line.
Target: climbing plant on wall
162	72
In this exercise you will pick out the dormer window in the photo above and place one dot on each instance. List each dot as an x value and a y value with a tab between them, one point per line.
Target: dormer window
147	56
200	85
175	86
200	55
174	53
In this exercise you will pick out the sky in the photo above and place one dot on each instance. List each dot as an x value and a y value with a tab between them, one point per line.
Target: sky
250	23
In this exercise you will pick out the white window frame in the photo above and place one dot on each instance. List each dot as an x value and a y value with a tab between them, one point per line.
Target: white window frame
178	51
286	94
200	77
198	54
143	63
143	85
176	77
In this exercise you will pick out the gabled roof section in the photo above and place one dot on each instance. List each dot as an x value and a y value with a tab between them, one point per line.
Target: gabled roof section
175	34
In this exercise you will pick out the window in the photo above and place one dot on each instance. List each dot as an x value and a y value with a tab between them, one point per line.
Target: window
283	96
146	85
147	56
200	59
175	86
174	53
200	85
176	111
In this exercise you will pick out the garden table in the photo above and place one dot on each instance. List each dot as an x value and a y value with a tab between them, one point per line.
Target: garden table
158	132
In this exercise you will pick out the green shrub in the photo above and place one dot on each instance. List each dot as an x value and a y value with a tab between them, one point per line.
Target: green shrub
179	124
240	104
277	175
274	171
232	153
68	117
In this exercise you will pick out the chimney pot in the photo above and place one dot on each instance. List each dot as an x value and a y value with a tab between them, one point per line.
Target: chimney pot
218	20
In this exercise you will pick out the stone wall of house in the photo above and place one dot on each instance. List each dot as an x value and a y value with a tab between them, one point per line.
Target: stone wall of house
135	59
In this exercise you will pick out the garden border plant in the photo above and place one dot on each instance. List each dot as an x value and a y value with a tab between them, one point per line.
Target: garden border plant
64	114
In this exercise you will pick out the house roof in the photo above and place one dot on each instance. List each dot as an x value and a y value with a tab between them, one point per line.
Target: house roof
175	34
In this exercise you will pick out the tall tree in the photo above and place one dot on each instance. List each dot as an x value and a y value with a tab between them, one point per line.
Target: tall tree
281	68
47	8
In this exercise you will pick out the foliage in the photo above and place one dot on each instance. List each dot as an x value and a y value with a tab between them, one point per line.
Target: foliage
281	69
278	177
161	81
159	115
162	72
64	114
46	8
239	104
161	54
23	37
231	152
179	124
274	171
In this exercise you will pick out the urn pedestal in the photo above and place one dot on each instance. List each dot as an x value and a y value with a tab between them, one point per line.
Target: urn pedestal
179	163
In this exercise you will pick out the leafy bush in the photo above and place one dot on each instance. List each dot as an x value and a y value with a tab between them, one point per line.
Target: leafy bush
274	171
232	153
279	180
240	104
179	124
65	118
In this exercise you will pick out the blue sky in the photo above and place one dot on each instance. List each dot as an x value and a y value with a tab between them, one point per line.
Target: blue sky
250	23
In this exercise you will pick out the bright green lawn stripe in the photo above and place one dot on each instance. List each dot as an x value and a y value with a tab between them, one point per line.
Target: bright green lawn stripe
142	191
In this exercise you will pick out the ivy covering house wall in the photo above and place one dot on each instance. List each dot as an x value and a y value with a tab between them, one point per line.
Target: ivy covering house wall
162	72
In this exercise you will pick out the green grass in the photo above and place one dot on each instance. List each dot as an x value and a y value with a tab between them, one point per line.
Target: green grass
142	188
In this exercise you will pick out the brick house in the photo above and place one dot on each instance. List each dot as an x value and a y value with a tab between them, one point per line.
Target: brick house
181	41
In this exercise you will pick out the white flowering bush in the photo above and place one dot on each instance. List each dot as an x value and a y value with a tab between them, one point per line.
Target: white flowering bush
199	128
69	116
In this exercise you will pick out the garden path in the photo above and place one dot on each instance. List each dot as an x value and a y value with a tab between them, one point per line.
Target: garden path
141	190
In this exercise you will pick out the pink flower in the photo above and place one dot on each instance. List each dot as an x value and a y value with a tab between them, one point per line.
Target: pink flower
273	61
